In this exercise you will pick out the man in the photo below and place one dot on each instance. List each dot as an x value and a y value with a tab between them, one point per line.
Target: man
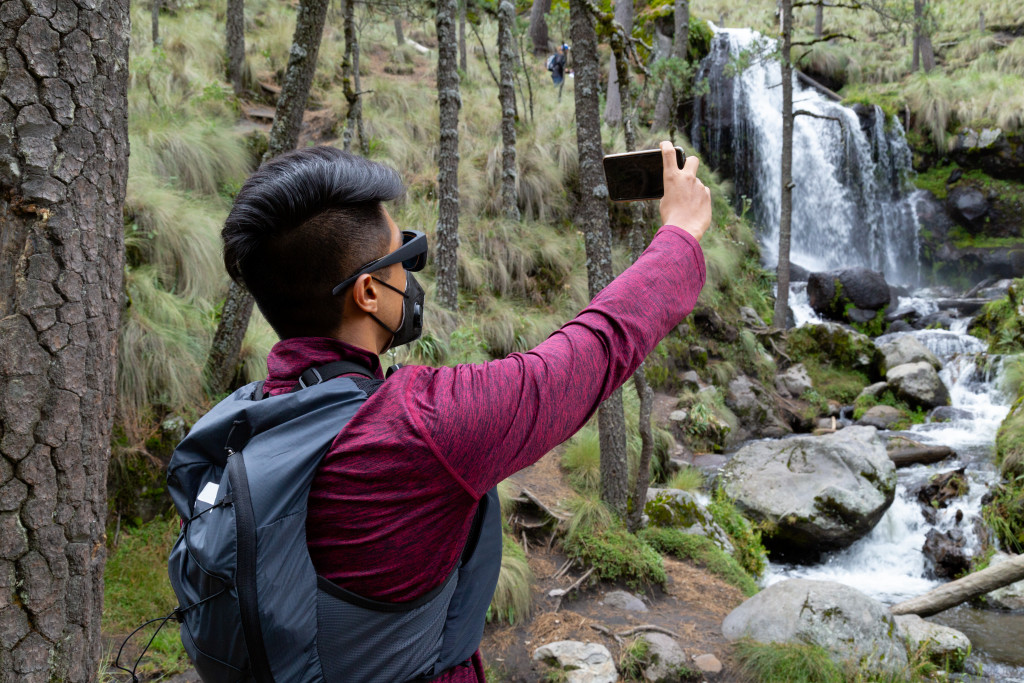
558	65
393	501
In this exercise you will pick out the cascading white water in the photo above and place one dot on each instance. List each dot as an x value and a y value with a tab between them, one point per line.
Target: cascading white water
850	170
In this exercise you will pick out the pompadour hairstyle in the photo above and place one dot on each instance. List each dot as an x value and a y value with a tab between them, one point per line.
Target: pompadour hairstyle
302	223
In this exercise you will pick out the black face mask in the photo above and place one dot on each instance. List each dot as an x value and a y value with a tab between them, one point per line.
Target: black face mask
411	326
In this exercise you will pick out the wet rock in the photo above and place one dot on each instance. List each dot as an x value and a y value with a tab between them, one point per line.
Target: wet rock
1000	154
832	292
1008	597
903	350
794	381
948	413
845	622
900	326
940	319
798	273
624	601
996	291
818	493
881	417
918	384
968	206
919	455
941	643
581	662
666	657
946	552
941	488
754	407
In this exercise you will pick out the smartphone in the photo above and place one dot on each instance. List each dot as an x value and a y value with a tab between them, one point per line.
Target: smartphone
632	176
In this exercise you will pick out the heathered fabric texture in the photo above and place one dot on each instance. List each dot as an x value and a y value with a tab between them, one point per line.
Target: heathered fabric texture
392	503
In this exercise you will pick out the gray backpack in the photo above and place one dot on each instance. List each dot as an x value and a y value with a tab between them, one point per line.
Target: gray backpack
251	605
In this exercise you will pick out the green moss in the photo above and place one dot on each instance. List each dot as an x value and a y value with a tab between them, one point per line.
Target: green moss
616	554
702	551
748	549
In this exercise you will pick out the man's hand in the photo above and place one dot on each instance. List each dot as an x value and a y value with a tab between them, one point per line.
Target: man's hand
686	203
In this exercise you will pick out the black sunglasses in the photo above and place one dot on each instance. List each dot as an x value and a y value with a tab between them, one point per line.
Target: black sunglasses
412	254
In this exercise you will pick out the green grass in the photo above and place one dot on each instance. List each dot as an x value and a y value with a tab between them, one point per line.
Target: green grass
513	594
687	479
616	555
136	589
703	552
748	550
787	662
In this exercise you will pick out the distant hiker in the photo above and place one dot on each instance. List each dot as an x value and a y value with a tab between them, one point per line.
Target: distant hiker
556	65
384	570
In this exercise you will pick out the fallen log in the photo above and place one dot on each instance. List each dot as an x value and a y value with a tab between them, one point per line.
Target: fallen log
955	592
923	455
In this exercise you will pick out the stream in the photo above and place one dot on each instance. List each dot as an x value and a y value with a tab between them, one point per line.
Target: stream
853	207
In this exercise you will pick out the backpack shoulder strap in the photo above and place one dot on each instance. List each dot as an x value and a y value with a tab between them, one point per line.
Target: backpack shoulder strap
323	373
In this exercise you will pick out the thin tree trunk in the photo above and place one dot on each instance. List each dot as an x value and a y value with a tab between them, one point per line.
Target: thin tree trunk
666	108
155	19
350	80
918	11
449	99
971	586
64	169
779	319
819	19
521	54
539	26
399	36
507	97
613	101
593	216
462	35
222	364
235	24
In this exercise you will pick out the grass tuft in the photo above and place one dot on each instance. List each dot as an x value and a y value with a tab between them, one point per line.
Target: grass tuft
701	550
513	594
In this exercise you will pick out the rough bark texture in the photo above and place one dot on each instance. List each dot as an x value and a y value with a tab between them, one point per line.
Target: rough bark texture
539	26
63	169
786	213
955	592
350	84
222	365
593	220
613	102
462	35
447	252
665	108
507	97
924	54
235	29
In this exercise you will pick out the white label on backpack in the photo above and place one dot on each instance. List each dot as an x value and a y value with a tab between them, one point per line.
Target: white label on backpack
209	493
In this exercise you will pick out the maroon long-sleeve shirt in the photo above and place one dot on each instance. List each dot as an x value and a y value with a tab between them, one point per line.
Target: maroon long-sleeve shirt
392	503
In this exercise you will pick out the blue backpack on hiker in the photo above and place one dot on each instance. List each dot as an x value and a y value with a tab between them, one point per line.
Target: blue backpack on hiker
251	605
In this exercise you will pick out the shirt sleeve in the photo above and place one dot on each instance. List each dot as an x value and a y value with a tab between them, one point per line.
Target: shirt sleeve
487	421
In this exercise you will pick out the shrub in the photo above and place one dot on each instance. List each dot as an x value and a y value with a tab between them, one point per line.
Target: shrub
749	551
616	554
702	551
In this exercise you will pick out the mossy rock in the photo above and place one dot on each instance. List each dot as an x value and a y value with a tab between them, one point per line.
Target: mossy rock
835	345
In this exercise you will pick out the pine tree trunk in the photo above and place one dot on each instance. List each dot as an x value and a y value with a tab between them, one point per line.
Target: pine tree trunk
539	26
350	83
462	35
593	217
819	19
225	351
613	101
918	12
235	25
63	171
786	215
399	36
665	110
507	97
154	11
446	260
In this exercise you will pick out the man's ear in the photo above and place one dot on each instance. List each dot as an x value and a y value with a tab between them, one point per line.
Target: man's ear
365	293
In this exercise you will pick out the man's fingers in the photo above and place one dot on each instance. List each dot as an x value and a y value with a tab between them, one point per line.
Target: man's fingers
691	164
668	156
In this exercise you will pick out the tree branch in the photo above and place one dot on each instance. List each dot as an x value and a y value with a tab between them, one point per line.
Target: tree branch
484	50
823	39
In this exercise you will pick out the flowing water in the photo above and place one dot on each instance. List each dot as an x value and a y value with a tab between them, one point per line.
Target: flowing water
851	207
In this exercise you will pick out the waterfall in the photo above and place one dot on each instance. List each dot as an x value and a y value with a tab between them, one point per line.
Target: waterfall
851	166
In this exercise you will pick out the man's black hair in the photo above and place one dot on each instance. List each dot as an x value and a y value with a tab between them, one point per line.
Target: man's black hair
302	223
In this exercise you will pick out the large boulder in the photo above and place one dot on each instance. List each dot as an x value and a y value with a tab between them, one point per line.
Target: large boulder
683	510
755	408
918	384
906	349
818	493
842	620
580	662
848	294
941	643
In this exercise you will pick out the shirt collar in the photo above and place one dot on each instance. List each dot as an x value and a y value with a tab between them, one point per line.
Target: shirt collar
289	358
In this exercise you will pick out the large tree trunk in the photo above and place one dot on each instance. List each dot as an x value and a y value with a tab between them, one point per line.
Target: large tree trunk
593	217
507	97
446	261
666	108
235	25
63	170
222	364
539	26
786	213
399	36
613	102
971	586
462	35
